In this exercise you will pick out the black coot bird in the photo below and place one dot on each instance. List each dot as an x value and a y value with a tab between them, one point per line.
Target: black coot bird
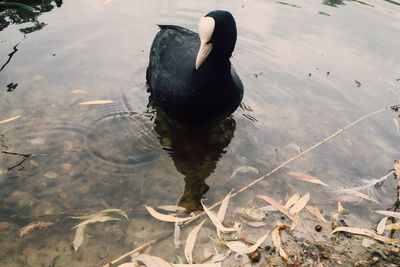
190	76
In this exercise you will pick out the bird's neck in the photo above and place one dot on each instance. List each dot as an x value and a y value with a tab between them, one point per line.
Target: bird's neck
214	66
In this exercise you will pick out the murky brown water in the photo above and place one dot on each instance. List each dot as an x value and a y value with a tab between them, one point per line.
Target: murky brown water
308	68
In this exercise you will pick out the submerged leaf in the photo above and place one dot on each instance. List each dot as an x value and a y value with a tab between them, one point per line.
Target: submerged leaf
315	211
242	248
215	220
380	228
251	213
119	211
177	234
151	261
389	213
300	204
10	119
307	178
292	200
276	205
365	232
172	208
78	239
34	226
396	123
164	217
244	169
96	102
76	92
397	168
99	218
190	241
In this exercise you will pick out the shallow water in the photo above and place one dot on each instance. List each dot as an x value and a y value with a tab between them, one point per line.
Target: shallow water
308	67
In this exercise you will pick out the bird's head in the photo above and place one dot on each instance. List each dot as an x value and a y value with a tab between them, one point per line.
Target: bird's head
217	32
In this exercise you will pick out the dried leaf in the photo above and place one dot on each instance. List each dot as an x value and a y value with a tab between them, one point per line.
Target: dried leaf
128	264
244	169
217	264
151	261
242	248
177	234
220	257
77	92
366	232
276	239
224	207
164	217
120	212
172	208
396	123
255	224
99	218
307	178
78	239
393	226
389	213
215	220
397	168
295	223
222	211
190	241
380	228
340	208
96	102
300	204
315	211
292	200
10	119
276	205
34	226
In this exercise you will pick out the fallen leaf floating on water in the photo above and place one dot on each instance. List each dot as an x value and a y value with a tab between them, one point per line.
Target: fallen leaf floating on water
100	213
164	217
190	241
177	234
128	264
364	196
217	264
315	211
222	210
78	239
300	204
255	224
244	169
215	220
380	228
241	248
307	178
276	239
397	168
220	257
79	92
34	226
366	232
172	208
99	218
276	205
292	200
389	213
10	119
340	208
96	102
393	226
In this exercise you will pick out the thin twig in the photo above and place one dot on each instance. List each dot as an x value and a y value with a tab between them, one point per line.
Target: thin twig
341	130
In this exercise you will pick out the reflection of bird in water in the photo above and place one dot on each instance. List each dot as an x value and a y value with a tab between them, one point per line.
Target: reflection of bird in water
195	152
190	76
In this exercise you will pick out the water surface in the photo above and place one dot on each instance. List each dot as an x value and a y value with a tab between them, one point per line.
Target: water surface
308	67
